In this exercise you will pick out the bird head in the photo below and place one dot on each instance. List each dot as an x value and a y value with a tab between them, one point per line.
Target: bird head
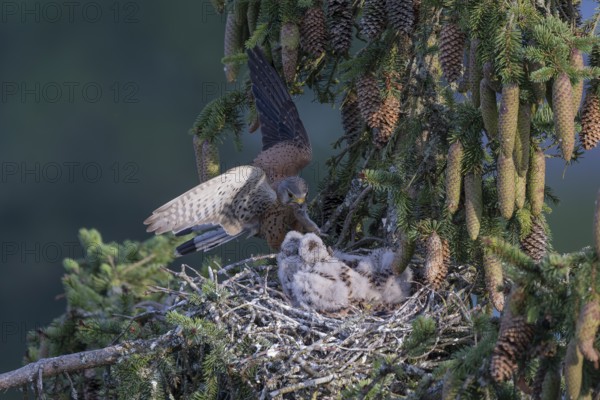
292	192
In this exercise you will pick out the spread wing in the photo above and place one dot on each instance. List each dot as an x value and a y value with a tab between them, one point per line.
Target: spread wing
283	134
234	200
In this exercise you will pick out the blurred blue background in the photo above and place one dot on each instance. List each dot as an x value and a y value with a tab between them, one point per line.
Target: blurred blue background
97	100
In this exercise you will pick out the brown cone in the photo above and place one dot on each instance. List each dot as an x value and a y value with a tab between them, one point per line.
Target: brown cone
313	32
536	181
513	342
562	106
494	279
475	73
522	142
340	25
587	327
577	63
454	176
534	244
351	119
489	108
452	42
369	99
207	159
435	267
290	39
473	203
401	15
573	370
374	20
232	44
388	117
508	118
590	120
520	191
506	185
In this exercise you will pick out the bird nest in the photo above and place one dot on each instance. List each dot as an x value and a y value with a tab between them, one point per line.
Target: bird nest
298	353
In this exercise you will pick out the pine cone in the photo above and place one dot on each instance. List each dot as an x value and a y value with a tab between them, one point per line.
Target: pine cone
369	99
597	225
473	203
536	181
373	21
513	341
562	106
551	385
351	119
290	39
435	267
340	25
454	176
577	63
534	244
232	44
573	370
590	120
475	73
388	117
508	118
401	15
252	14
587	327
489	108
313	32
494	279
538	88
452	43
463	82
207	159
520	191
522	142
506	185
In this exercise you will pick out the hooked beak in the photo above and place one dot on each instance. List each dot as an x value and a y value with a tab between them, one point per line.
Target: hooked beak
299	200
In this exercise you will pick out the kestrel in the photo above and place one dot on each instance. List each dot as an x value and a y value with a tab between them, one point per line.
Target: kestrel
267	198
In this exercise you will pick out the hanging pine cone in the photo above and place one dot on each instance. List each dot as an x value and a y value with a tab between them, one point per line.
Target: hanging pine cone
232	44
538	88
590	120
369	99
464	81
452	43
577	64
494	279
401	15
587	327
506	185
207	159
252	14
373	21
475	73
454	176
508	118
313	32
562	106
490	75
573	370
388	117
536	181
534	244
435	267
520	191
351	119
513	341
473	203
522	142
489	108
290	39
340	25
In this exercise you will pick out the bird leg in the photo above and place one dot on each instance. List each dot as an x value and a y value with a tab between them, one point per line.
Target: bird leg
301	214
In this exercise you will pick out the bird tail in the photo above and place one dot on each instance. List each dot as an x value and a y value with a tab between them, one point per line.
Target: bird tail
206	241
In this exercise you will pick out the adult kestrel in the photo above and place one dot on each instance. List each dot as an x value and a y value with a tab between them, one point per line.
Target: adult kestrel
266	198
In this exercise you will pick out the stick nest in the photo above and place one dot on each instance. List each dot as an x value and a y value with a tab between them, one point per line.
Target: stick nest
296	353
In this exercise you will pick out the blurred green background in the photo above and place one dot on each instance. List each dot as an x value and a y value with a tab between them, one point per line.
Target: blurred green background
97	100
